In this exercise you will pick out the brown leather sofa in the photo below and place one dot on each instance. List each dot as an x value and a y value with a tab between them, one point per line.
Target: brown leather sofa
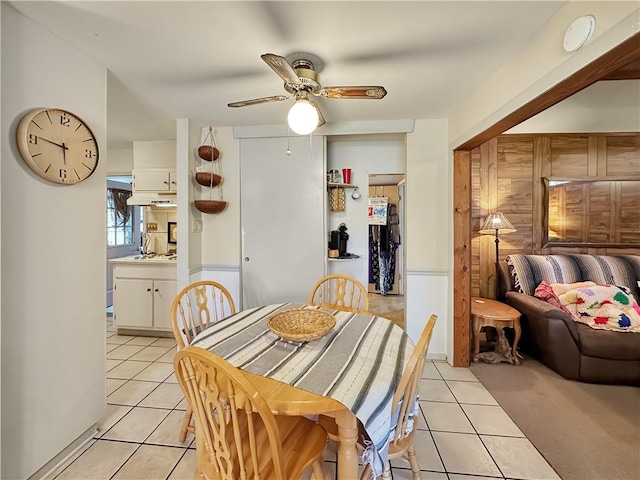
574	350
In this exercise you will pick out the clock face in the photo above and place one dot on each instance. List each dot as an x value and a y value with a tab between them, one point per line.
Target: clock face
58	146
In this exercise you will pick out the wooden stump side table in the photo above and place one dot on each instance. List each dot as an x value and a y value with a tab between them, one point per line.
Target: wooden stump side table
491	313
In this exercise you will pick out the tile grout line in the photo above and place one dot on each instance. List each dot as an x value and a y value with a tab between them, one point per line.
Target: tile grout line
169	411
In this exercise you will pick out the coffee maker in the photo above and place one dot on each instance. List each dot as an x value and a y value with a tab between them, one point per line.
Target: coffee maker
338	240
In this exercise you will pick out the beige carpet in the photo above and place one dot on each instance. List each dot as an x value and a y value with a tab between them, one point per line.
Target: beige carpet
585	431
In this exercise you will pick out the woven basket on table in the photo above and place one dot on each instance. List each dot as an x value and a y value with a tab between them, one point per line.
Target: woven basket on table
300	324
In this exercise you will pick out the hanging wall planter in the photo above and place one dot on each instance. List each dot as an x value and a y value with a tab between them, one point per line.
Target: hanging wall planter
211	179
208	179
210	206
208	152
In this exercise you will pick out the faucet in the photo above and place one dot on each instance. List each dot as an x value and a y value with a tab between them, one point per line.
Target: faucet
146	239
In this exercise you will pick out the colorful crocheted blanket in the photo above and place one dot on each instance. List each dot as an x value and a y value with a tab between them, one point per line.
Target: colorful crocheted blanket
605	307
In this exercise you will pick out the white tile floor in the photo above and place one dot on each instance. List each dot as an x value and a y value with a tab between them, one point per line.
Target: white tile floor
465	434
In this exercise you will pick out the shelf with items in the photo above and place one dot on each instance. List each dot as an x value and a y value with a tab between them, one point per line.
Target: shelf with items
341	185
345	259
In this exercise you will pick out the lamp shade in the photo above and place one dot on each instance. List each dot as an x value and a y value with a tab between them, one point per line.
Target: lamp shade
497	223
303	117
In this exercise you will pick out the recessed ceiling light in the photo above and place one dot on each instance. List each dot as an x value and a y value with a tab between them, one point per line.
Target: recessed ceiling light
579	33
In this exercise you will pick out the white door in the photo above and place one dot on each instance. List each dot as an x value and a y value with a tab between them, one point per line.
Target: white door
284	242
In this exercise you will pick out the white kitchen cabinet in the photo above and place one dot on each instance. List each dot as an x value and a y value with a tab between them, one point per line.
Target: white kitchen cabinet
154	180
133	303
164	291
143	294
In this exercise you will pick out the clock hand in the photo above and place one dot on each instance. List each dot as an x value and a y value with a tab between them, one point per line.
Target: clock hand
57	144
64	153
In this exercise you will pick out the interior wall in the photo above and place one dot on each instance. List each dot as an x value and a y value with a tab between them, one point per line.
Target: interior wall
617	103
428	231
365	155
543	64
507	176
220	232
53	317
120	161
0	274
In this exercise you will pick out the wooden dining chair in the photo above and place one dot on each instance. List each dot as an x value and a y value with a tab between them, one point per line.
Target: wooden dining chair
407	388
402	445
340	292
195	308
249	441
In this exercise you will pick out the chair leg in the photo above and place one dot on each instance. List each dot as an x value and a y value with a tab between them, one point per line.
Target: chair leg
186	421
366	472
317	471
413	461
387	471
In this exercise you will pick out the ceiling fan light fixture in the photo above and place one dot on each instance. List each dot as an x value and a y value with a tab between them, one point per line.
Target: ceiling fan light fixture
303	117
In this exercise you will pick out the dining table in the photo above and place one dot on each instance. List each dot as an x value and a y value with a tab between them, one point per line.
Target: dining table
350	373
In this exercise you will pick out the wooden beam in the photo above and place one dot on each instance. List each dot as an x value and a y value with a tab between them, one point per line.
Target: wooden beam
461	257
623	75
614	59
541	169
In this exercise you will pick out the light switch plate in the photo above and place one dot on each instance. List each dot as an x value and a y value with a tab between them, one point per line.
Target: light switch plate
196	226
152	227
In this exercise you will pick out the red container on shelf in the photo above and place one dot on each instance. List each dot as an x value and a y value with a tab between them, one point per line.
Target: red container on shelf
346	175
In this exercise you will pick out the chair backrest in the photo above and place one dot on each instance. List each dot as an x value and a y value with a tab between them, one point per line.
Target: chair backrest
341	292
196	307
408	386
240	443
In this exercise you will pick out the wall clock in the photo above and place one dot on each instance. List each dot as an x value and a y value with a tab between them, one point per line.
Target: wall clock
57	145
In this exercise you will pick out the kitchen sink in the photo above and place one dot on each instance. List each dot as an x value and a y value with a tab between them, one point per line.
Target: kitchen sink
156	256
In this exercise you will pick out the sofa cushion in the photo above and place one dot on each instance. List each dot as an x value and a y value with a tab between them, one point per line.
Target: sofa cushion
608	344
528	271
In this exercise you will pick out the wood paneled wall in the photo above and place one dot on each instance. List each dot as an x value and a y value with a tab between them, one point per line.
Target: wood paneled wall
507	175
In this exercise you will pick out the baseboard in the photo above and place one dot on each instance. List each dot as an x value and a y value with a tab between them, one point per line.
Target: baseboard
437	356
61	461
144	333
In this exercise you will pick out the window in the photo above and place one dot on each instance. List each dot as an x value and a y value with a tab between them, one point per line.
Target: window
120	218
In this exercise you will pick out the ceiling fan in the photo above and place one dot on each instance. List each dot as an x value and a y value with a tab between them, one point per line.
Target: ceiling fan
300	72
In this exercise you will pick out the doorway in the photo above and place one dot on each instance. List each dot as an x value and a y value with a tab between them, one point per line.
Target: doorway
386	259
607	64
123	230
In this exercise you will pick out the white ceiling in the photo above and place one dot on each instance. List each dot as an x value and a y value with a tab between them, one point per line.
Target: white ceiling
178	59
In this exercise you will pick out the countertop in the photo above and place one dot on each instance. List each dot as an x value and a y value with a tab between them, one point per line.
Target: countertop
137	260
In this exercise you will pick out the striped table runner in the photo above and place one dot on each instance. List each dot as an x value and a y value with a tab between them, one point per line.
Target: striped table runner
359	362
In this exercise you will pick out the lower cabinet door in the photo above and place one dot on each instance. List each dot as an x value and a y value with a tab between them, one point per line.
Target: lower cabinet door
133	303
164	291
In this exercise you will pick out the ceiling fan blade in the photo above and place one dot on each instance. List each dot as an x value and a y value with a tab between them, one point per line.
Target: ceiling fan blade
321	120
353	92
282	68
256	101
